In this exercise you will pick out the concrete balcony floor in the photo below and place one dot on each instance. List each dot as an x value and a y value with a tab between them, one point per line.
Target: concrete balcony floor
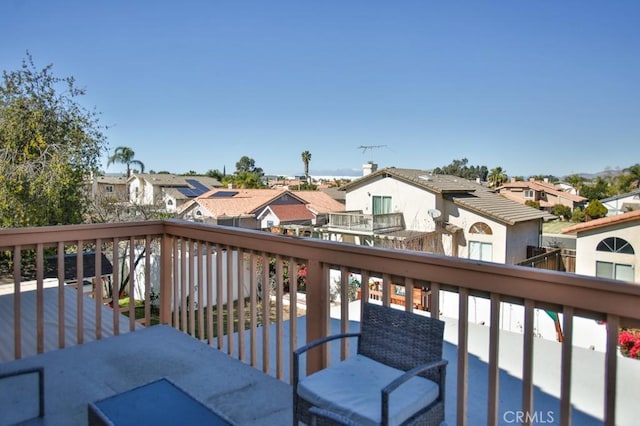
93	371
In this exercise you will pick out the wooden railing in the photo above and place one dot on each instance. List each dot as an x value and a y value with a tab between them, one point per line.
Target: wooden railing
198	269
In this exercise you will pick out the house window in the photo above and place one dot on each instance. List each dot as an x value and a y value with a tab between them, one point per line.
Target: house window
529	193
381	204
169	202
108	188
480	228
480	251
615	271
615	245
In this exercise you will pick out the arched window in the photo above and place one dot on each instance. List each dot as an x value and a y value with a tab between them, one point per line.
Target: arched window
480	228
615	245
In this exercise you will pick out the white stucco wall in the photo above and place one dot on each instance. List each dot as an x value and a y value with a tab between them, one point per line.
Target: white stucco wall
465	219
134	188
519	236
614	207
268	216
587	255
409	200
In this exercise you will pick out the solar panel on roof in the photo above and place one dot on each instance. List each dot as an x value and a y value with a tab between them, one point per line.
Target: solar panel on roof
187	192
223	194
197	185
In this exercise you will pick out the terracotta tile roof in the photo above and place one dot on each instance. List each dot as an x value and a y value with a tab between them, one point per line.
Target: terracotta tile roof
245	201
542	186
521	200
603	222
320	202
291	212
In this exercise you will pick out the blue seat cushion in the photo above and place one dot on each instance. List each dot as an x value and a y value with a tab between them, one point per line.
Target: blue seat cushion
353	388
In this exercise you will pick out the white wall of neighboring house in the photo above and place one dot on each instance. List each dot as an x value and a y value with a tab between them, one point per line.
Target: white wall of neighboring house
198	258
268	218
411	201
135	191
587	255
587	333
519	236
465	219
170	203
615	206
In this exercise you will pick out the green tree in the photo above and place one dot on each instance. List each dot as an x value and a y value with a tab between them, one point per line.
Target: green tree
576	181
534	204
216	174
306	158
561	211
125	155
595	209
497	177
462	169
577	215
247	164
597	190
49	144
630	179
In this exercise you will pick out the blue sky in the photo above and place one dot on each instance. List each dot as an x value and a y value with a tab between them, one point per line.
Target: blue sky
535	87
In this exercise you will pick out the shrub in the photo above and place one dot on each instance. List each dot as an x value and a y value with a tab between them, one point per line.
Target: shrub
534	204
577	215
561	211
595	210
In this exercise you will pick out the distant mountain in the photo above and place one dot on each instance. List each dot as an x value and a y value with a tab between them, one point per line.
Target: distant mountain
603	174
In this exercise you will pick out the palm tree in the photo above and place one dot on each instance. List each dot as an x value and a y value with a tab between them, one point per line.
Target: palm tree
124	155
306	158
497	177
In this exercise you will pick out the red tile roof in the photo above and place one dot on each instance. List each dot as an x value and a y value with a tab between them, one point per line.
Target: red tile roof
602	222
287	213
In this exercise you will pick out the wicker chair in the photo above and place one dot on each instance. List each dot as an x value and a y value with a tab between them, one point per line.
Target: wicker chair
397	376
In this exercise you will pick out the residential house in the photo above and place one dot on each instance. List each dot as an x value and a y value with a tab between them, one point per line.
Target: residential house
438	213
109	187
609	247
170	191
622	203
543	192
260	208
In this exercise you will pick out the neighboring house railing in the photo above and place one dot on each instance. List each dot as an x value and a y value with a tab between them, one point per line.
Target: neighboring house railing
368	223
259	267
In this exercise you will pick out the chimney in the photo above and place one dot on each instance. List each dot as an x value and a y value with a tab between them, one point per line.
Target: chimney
369	168
546	180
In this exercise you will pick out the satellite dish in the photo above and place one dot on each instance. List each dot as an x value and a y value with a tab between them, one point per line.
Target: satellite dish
434	213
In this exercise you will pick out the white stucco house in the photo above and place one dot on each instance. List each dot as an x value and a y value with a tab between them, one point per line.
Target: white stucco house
167	190
459	217
609	247
622	203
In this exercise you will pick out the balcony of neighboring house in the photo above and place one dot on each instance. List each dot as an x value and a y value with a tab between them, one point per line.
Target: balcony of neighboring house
217	311
365	224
